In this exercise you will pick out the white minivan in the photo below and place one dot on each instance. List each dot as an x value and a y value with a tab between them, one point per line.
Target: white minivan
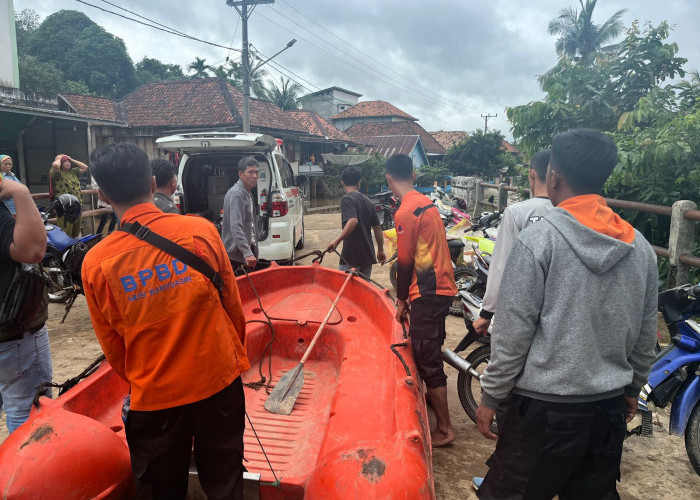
209	167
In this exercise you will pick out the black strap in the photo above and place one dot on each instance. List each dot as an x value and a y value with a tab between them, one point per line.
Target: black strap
177	251
419	211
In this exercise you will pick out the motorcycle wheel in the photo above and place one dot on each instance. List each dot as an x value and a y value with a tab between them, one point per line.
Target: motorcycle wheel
393	273
692	438
465	278
468	386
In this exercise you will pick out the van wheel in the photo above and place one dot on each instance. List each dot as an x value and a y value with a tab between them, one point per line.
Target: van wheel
300	245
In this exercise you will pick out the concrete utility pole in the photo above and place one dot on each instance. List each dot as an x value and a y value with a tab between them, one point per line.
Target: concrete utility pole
486	120
245	14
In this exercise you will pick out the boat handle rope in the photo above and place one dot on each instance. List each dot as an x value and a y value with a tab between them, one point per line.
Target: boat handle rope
398	354
68	384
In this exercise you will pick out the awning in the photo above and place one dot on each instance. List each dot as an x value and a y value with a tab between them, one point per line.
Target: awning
345	159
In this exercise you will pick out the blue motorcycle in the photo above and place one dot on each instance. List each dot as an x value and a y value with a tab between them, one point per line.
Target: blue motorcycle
62	263
675	374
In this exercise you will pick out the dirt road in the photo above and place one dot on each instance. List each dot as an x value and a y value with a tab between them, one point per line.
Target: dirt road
652	468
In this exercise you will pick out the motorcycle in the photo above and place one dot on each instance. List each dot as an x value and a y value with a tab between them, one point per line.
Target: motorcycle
675	375
386	205
61	265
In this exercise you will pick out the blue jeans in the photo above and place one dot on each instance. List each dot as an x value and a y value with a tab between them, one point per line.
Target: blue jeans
24	365
365	271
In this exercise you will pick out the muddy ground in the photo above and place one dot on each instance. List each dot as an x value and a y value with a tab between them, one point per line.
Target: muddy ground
652	468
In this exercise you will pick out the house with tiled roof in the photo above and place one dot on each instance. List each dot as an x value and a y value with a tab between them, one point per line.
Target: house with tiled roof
452	138
388	145
406	128
173	106
370	111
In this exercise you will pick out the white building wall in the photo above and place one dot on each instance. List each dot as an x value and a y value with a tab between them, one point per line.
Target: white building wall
9	72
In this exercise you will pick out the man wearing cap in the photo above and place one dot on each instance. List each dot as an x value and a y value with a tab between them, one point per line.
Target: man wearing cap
7	174
65	176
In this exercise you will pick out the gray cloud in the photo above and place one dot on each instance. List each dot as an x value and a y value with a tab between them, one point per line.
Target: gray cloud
450	60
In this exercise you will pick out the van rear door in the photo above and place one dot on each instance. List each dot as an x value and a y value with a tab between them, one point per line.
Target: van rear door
217	141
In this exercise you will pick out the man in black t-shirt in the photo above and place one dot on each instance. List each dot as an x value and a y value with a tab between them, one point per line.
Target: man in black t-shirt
25	356
359	221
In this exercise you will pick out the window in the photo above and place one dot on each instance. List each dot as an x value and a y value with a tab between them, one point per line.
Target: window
286	174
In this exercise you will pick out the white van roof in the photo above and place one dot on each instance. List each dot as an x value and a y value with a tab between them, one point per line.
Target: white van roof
217	141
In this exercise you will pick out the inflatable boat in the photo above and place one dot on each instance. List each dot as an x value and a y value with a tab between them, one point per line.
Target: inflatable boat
358	429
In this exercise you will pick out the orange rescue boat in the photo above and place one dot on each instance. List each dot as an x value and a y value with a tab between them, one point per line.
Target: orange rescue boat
358	430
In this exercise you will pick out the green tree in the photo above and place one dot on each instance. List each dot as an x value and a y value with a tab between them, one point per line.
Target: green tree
480	154
257	77
83	52
285	96
580	39
26	21
199	68
152	70
44	78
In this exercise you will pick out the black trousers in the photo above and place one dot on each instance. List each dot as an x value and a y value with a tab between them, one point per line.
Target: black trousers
568	449
160	444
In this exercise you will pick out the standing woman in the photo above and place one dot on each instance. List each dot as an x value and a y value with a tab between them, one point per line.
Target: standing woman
7	173
65	175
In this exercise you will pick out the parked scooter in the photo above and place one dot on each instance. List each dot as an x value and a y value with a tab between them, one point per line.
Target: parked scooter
62	263
675	375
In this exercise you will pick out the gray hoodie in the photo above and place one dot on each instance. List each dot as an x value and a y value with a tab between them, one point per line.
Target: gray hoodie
576	315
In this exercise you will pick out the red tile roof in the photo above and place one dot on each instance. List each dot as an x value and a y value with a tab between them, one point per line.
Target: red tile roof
509	148
388	145
100	108
449	139
317	125
365	129
196	102
372	109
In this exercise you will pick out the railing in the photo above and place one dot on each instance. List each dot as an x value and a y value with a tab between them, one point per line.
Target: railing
96	212
683	214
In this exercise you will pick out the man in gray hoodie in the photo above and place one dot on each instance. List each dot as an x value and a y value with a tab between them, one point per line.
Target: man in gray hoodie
574	339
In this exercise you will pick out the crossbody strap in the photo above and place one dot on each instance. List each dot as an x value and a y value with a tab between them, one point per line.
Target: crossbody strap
177	251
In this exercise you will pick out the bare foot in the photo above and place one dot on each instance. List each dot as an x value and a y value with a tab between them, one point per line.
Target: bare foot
442	438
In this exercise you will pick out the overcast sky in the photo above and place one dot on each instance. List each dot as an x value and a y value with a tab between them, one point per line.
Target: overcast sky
445	62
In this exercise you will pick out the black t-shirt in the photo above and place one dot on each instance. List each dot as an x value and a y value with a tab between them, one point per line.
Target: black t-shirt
358	249
8	267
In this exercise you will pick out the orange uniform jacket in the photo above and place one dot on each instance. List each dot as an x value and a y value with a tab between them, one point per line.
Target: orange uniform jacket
424	264
160	323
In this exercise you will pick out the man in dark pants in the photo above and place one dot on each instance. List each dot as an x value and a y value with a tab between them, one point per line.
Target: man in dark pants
574	339
359	220
239	228
166	330
425	277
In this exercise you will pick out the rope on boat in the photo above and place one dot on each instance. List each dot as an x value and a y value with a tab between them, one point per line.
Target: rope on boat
68	384
398	354
278	481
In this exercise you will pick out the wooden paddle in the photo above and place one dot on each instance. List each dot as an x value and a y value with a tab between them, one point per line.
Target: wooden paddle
282	398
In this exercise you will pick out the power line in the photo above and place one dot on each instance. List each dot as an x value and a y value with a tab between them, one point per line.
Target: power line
397	84
382	65
166	30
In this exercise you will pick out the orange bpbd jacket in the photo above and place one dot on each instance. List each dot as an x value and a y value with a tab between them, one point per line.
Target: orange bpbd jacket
161	324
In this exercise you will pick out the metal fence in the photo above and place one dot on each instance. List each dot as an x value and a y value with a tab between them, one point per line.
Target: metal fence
683	215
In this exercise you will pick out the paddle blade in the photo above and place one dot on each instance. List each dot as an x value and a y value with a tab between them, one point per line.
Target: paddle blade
282	398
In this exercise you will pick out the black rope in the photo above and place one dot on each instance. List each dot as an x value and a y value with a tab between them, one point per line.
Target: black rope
398	354
277	482
345	262
68	384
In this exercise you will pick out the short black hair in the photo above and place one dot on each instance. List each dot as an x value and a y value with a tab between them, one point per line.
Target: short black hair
585	158
245	162
122	171
539	163
351	176
163	171
400	167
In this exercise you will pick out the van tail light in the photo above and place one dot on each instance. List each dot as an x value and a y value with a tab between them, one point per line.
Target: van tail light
279	205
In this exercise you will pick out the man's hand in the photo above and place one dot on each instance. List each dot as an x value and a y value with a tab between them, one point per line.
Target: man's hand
334	244
481	325
381	256
402	310
631	408
251	261
484	419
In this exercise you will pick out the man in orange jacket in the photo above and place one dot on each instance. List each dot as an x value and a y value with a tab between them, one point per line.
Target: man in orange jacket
166	330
